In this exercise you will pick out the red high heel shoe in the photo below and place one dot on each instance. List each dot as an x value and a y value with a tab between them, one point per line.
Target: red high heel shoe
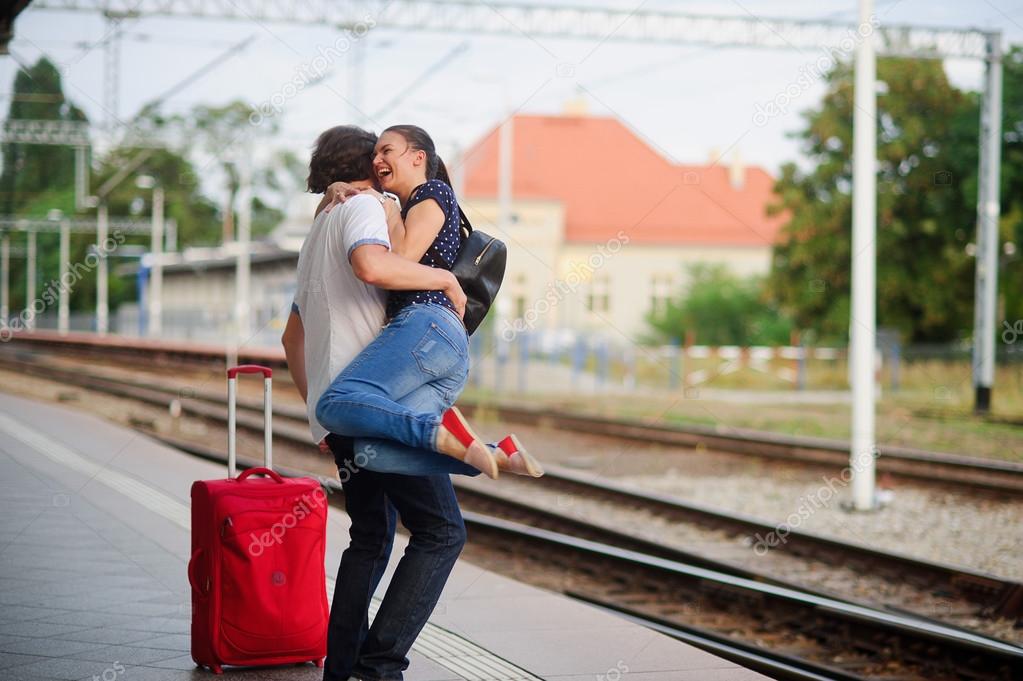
516	459
456	439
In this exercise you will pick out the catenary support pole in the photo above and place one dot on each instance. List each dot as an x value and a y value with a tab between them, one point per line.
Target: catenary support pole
986	282
5	278
102	302
64	283
862	322
156	271
30	281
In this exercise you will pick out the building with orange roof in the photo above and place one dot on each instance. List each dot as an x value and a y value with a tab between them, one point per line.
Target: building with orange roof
602	224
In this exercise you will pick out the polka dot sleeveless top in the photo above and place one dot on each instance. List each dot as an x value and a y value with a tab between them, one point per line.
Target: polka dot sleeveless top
447	243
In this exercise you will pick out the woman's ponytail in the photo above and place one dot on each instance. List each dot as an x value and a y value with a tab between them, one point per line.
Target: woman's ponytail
442	172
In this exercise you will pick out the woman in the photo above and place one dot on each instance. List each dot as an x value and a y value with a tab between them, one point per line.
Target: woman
424	348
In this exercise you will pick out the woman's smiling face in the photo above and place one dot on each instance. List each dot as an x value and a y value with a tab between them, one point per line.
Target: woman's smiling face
397	166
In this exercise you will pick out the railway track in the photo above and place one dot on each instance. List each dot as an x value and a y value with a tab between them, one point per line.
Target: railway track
728	540
936	467
751	611
901	462
782	632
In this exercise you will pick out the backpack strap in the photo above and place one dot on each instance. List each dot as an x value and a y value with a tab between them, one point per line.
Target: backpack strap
465	227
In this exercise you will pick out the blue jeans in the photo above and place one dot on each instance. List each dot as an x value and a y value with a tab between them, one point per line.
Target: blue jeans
390	398
429	510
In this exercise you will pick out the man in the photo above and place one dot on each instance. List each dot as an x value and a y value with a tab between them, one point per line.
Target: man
338	310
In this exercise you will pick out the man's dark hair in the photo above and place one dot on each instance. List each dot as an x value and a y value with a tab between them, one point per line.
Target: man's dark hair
343	153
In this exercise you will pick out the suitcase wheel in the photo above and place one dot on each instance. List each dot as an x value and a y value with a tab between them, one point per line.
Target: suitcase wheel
318	662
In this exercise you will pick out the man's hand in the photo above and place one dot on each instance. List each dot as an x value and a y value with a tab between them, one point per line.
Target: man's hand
339	192
456	295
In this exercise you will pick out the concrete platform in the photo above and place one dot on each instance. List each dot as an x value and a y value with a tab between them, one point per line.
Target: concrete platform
93	550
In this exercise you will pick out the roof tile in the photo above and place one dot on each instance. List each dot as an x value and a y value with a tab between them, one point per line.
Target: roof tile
609	179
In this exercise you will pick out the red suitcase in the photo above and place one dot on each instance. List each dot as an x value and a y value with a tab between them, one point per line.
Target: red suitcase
259	592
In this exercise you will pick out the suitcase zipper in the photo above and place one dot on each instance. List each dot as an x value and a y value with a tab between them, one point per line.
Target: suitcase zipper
226	524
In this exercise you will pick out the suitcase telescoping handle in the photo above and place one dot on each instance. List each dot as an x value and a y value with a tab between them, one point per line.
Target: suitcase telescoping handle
232	407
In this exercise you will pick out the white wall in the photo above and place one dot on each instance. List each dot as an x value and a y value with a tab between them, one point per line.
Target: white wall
551	280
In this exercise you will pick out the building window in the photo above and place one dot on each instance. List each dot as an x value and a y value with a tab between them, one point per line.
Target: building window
660	293
598	298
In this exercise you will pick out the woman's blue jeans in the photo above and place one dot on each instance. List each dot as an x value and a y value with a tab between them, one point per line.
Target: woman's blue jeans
390	398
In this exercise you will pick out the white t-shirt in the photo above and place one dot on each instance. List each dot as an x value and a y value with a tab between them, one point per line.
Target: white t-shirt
341	315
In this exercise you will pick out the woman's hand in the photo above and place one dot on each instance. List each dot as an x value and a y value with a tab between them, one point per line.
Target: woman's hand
456	295
338	192
390	206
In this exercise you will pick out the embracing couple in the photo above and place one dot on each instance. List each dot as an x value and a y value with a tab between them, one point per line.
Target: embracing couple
376	346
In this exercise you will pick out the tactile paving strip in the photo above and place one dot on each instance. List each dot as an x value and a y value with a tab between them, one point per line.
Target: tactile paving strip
446	648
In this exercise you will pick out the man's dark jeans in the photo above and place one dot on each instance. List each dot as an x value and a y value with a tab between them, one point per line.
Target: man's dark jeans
429	511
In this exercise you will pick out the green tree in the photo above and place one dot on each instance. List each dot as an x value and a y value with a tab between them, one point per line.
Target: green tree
36	177
722	309
217	133
1011	279
926	176
195	214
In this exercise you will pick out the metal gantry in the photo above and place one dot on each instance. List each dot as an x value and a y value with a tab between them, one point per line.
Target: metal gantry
14	223
551	21
65	227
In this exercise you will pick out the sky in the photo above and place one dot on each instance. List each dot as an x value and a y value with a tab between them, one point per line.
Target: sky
687	101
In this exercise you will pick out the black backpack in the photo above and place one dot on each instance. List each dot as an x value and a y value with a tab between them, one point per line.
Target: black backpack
479	267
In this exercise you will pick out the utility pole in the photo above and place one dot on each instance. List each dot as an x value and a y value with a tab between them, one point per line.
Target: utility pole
112	71
63	314
242	278
5	282
862	322
156	268
102	306
505	171
986	282
356	77
30	281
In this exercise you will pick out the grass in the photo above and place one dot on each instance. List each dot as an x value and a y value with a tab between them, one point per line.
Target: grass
932	409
